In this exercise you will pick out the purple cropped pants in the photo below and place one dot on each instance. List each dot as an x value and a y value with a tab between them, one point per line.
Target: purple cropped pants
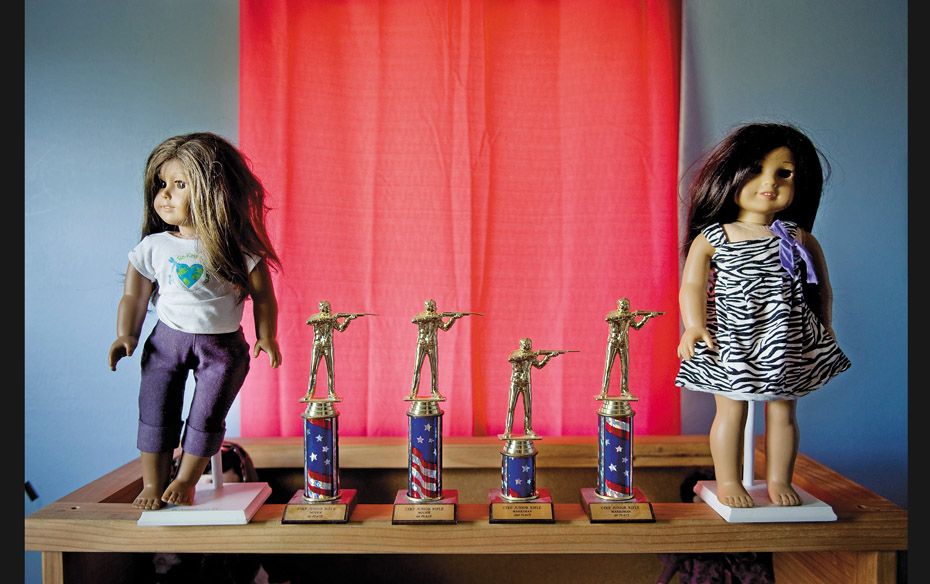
220	363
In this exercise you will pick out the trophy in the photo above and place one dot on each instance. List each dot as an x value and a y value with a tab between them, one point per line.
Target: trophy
519	500
425	501
321	500
615	499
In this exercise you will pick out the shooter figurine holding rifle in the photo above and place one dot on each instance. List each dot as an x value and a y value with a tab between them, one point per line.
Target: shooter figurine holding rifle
618	342
428	322
521	383
324	322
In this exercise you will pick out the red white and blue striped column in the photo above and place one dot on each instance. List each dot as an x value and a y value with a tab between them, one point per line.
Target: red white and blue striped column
424	451
321	454
615	452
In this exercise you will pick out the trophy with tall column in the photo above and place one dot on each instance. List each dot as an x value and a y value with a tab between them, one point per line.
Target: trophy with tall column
615	499
425	500
519	500
322	501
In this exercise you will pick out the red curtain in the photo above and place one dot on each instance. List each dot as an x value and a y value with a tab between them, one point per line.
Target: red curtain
514	158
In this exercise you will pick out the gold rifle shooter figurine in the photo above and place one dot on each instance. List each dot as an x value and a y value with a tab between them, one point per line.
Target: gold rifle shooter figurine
521	382
324	323
618	342
428	322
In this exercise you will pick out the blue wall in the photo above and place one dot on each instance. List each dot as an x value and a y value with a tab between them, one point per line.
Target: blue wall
107	80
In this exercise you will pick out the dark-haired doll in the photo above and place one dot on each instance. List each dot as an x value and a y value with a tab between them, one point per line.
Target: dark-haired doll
750	330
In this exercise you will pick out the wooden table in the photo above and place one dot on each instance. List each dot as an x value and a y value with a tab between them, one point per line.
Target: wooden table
89	534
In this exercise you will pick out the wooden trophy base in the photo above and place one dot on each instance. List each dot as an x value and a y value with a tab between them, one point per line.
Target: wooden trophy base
637	509
764	511
413	512
299	510
230	504
538	510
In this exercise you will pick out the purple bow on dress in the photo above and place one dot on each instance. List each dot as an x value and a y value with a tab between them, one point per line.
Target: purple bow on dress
788	247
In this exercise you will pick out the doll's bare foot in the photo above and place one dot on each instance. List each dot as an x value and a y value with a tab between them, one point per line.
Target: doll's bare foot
733	495
179	492
156	472
148	499
783	495
181	489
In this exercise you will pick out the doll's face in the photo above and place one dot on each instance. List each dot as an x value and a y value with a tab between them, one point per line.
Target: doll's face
172	200
770	188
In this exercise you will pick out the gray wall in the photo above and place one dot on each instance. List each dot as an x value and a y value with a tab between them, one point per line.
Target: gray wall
107	80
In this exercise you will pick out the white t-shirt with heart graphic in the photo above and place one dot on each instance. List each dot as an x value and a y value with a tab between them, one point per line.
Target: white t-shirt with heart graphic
187	297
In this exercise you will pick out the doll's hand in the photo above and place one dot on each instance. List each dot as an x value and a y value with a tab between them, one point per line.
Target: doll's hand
269	346
121	347
691	336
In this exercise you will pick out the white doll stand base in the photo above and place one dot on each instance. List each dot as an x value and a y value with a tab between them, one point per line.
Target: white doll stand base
216	504
764	511
810	509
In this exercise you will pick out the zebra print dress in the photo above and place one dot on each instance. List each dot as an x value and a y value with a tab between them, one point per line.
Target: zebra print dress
769	343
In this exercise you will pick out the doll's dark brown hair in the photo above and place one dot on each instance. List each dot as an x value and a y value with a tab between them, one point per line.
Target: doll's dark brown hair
227	203
733	161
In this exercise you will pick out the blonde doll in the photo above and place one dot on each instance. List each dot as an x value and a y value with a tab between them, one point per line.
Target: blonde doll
755	298
204	249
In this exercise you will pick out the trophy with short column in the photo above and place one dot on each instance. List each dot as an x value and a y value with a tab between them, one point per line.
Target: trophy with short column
322	501
615	499
425	501
519	500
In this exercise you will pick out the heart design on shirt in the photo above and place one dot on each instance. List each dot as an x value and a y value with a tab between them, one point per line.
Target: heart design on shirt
188	274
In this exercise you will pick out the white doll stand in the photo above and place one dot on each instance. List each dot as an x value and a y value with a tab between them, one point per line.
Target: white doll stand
216	504
764	511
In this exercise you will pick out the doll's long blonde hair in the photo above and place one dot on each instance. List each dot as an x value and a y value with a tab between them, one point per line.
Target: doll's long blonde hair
227	204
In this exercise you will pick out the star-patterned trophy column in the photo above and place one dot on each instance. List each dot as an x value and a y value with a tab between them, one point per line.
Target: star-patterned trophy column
615	499
322	501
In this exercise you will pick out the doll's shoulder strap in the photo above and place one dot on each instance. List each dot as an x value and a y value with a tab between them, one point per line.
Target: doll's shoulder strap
792	228
714	234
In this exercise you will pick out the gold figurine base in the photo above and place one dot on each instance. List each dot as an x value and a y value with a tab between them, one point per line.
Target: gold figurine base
302	510
320	408
310	399
440	511
538	510
519	437
519	445
616	406
600	509
420	407
418	398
